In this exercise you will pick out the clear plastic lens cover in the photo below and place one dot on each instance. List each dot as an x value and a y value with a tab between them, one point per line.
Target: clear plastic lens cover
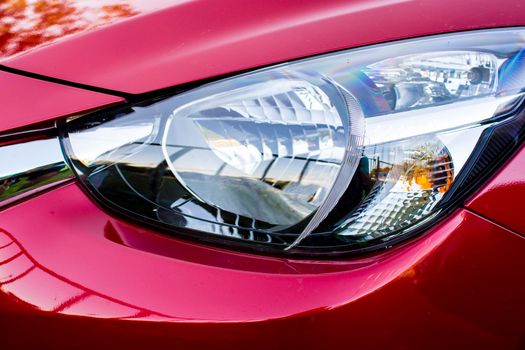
270	152
326	154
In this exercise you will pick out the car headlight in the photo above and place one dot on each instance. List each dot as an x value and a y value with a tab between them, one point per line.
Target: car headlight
334	153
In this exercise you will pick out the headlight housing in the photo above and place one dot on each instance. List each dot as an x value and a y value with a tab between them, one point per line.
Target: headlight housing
337	153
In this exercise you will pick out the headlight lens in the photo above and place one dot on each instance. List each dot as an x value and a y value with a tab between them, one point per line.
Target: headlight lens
270	151
328	154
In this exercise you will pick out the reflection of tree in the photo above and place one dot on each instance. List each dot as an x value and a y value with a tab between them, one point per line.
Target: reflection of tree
430	167
27	23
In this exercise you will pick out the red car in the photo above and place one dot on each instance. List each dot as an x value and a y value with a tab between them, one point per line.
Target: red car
263	175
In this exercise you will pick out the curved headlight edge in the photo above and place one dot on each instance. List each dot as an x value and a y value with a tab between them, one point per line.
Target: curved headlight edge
342	152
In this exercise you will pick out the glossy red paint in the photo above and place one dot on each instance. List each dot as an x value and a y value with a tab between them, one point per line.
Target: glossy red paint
443	290
501	199
201	39
30	24
72	276
26	101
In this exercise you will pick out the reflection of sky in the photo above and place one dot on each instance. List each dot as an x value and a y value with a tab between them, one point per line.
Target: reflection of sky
91	144
149	5
22	157
138	5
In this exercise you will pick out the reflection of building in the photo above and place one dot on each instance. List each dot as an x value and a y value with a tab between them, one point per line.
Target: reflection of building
28	281
379	169
442	172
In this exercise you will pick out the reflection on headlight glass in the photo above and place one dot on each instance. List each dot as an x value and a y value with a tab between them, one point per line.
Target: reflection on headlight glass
333	151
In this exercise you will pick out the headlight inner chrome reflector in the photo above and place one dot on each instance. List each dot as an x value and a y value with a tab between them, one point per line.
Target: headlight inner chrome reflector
340	152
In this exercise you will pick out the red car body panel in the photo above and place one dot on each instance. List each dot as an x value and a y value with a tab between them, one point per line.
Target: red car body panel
502	198
47	100
200	39
452	279
74	276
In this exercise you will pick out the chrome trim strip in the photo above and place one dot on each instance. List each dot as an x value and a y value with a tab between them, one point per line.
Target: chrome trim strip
29	167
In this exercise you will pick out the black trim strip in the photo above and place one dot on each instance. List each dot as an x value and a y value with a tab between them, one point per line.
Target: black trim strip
64	82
